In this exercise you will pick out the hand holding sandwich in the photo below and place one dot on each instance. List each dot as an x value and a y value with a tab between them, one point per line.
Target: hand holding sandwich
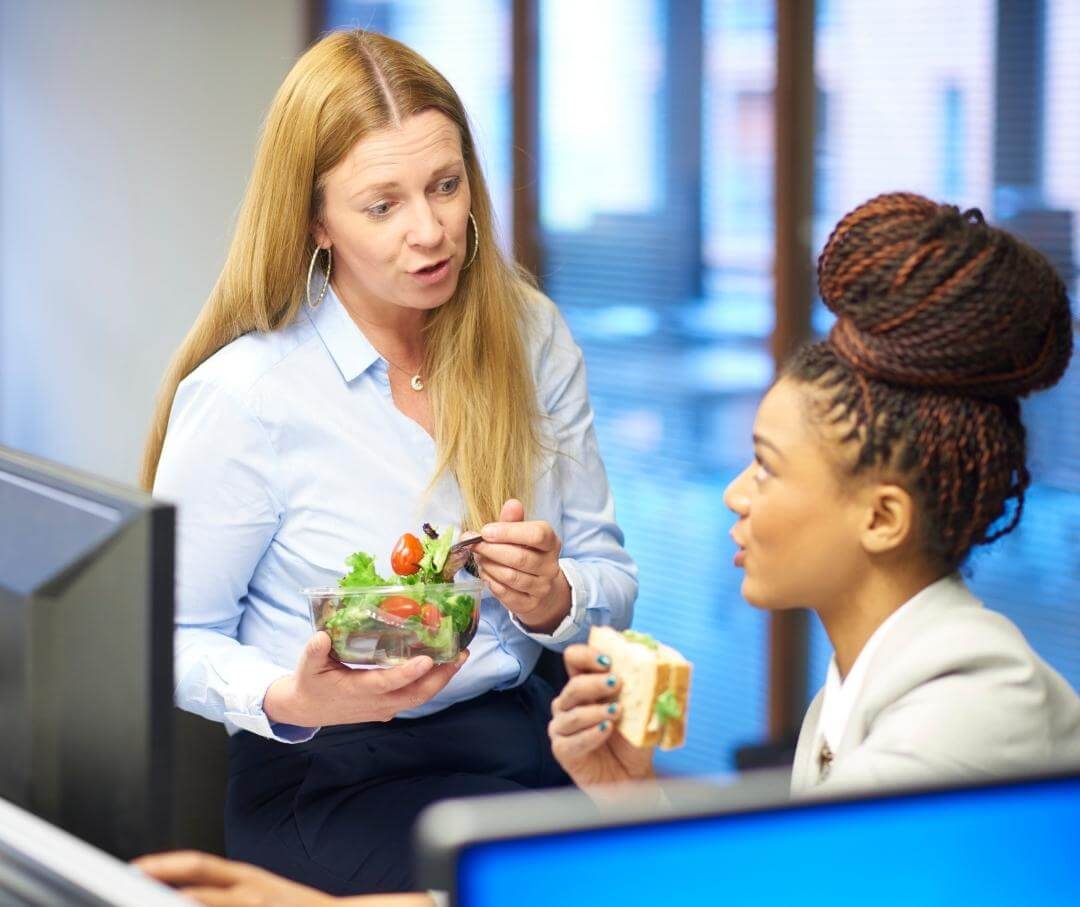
582	728
627	694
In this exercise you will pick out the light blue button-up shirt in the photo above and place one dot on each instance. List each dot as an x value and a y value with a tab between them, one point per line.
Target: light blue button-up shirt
285	453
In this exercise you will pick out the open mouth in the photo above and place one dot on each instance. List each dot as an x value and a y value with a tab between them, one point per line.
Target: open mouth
431	269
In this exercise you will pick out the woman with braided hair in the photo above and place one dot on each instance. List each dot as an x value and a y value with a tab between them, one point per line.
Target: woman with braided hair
882	457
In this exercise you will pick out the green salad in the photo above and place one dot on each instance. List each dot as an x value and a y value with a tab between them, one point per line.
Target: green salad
424	616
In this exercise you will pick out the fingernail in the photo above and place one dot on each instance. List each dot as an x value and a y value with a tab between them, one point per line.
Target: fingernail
612	709
604	661
488	531
611	681
603	726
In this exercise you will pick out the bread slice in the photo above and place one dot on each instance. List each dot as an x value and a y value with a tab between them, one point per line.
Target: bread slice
648	671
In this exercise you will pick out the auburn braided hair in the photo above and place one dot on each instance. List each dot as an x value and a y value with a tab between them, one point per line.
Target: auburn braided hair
943	323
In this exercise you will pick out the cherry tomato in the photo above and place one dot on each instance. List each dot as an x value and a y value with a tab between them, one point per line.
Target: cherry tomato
406	556
430	616
400	606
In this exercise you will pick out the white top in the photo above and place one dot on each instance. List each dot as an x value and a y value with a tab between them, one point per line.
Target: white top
840	694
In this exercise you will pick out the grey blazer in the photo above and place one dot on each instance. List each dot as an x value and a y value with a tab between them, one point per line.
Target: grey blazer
953	692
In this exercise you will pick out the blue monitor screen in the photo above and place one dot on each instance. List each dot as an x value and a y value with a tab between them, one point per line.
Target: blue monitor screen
1016	844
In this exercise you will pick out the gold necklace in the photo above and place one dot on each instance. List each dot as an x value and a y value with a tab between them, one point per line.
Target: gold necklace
415	381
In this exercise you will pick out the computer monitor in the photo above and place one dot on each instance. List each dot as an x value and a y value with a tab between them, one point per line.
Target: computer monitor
1007	842
42	866
86	615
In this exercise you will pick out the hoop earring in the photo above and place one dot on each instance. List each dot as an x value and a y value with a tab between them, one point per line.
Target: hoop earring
476	243
326	282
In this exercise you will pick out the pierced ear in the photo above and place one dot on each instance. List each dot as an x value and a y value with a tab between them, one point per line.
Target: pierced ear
318	233
890	519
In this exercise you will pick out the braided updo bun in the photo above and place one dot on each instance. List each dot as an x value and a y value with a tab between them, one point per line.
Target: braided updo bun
943	322
928	297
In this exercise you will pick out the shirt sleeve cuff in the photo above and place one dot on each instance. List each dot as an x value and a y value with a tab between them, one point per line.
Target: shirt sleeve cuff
575	622
248	714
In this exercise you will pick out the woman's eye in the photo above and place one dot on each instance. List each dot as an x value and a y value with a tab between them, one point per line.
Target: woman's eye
760	472
447	186
379	210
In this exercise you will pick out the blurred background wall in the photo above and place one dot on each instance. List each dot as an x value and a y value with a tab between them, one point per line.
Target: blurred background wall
127	132
631	149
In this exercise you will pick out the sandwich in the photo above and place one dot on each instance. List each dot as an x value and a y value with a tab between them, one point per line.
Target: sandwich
655	687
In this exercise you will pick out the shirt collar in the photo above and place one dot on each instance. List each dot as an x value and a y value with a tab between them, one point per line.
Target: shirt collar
840	695
351	351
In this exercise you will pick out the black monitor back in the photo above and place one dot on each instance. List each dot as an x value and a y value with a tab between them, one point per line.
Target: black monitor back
86	618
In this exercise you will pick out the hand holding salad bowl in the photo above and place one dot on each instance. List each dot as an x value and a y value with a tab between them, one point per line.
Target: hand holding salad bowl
415	625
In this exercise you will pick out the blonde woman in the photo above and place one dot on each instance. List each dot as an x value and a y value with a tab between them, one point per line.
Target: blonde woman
368	361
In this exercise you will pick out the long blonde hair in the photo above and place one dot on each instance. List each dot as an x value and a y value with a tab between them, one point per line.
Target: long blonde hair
482	392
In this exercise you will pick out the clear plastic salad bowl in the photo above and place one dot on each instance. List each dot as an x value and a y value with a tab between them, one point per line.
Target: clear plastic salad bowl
388	625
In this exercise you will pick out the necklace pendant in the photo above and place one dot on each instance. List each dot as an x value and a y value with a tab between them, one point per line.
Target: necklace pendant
416	383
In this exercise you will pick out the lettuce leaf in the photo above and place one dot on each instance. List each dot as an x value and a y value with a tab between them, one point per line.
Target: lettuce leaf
361	572
667	707
435	553
459	607
441	638
643	638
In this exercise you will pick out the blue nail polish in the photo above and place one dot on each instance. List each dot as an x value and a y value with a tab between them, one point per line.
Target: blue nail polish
604	661
612	709
603	726
611	681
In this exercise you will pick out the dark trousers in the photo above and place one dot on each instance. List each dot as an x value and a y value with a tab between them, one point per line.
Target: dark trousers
337	812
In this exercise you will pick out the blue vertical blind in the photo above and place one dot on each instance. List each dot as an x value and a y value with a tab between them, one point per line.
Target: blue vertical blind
671	302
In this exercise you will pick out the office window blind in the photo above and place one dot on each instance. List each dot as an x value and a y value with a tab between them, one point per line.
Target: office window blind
656	148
